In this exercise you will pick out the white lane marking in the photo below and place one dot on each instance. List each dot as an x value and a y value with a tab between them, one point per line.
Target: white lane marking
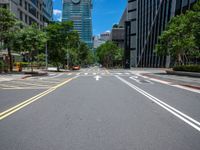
171	84
7	86
60	74
186	88
85	73
149	81
94	73
5	79
187	119
102	73
25	88
21	84
97	77
69	74
160	81
127	73
78	74
119	73
135	79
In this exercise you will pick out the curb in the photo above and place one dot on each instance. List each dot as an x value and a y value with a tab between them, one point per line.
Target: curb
169	80
34	75
183	73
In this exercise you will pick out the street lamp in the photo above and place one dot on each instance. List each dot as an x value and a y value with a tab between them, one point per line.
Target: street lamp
46	51
67	54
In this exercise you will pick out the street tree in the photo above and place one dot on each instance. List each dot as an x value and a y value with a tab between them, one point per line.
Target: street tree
58	35
180	39
7	23
83	52
109	53
32	40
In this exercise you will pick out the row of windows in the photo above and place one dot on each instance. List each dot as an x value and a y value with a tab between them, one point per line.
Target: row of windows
25	4
81	15
151	20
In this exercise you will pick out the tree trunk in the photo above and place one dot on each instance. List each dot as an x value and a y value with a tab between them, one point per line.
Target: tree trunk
57	67
10	60
31	60
180	59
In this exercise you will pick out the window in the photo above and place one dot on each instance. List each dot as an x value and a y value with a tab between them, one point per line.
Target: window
20	2
26	5
21	16
32	10
26	19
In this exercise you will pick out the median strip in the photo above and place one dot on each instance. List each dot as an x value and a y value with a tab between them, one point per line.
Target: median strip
31	100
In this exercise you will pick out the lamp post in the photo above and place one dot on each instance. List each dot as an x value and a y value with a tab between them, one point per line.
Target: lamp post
46	52
46	58
67	54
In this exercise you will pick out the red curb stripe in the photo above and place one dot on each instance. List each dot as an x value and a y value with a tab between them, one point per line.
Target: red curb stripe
169	80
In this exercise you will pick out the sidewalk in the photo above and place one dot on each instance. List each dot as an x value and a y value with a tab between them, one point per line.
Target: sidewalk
160	74
20	75
11	76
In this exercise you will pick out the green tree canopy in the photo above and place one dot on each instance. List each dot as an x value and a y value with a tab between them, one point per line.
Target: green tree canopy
181	37
7	23
30	39
109	53
58	35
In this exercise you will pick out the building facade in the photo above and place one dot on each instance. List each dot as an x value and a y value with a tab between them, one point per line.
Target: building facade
30	11
79	11
48	10
97	41
117	32
146	21
105	36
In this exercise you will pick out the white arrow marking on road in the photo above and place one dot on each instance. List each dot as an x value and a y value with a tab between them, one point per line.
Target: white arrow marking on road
97	77
135	79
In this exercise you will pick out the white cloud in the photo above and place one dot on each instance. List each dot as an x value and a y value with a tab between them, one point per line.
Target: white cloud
57	14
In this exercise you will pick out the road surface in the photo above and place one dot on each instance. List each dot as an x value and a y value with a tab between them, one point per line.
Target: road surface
98	109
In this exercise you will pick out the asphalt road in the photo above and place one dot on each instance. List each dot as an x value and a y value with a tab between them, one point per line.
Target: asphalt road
99	109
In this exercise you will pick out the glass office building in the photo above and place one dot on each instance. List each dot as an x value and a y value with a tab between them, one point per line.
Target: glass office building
48	10
30	11
146	21
79	11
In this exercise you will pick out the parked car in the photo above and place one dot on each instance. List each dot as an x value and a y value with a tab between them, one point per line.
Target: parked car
77	67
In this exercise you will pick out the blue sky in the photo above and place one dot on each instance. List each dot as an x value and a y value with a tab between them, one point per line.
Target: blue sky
105	13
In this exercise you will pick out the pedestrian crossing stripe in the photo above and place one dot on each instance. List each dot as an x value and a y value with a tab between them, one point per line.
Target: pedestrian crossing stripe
95	73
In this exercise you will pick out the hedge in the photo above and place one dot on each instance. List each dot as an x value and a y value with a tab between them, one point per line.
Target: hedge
187	68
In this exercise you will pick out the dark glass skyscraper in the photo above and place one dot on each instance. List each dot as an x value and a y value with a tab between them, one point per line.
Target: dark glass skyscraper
79	11
146	21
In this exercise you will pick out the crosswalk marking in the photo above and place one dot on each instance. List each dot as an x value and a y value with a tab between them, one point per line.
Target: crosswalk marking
48	82
29	83
102	73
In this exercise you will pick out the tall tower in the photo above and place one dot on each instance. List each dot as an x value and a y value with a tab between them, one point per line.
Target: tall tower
79	11
147	19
